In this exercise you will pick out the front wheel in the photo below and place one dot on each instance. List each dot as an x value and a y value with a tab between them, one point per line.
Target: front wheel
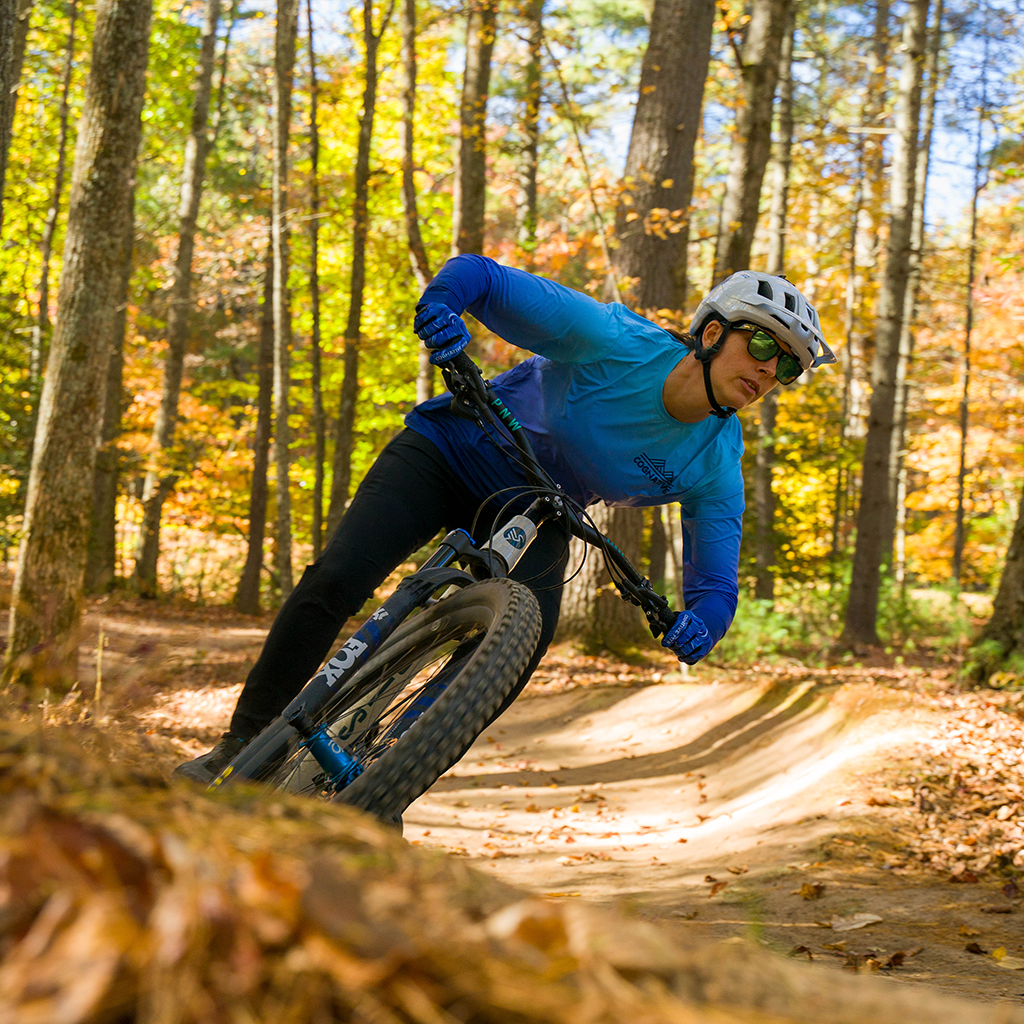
420	701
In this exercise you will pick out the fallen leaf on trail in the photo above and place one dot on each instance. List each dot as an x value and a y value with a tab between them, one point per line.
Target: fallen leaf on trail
710	878
1010	963
967	931
1011	890
682	840
736	871
532	809
561	895
973	947
717	888
848	924
810	890
964	876
460	803
838	946
686	915
996	908
801	951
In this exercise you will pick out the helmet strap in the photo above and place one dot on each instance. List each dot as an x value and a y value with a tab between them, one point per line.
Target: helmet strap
704	356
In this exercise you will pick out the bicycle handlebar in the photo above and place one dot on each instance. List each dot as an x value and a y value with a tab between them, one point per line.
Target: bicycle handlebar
474	398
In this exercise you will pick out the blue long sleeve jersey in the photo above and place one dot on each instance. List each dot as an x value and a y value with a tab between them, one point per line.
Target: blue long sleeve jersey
591	403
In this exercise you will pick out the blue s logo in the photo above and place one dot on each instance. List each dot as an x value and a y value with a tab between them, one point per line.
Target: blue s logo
516	536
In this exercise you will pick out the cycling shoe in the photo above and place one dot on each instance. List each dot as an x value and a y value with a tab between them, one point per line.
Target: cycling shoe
207	767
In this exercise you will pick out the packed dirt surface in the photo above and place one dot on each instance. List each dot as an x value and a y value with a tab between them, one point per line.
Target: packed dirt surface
862	818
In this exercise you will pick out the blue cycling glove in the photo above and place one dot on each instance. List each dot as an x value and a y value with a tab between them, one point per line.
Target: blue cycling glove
688	639
441	329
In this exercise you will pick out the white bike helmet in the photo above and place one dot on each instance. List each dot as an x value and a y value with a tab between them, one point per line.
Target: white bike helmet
770	302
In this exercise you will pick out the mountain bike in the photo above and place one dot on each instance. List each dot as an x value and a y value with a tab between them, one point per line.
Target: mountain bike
425	674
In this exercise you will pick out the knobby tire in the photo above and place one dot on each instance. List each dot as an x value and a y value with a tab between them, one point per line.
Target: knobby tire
478	640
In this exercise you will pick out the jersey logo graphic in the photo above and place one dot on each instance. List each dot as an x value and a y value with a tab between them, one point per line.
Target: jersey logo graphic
516	536
654	469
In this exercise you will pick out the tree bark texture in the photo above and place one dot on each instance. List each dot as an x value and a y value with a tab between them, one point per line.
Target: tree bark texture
101	558
764	496
417	249
247	597
593	614
284	72
46	601
345	434
652	218
897	456
470	189
874	120
1000	645
751	142
41	330
779	212
319	423
529	160
764	500
14	15
874	513
161	474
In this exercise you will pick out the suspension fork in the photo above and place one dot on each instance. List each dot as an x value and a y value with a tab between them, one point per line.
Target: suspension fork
520	531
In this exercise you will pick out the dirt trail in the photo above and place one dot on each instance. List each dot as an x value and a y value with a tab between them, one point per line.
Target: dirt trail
767	803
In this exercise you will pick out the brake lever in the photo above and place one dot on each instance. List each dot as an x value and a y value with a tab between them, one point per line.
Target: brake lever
469	390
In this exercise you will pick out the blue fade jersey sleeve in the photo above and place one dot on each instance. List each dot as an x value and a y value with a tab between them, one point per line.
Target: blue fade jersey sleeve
711	561
528	311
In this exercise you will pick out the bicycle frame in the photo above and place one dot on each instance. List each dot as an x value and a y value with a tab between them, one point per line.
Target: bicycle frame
472	398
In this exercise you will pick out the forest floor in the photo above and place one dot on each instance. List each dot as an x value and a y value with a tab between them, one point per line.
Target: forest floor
862	817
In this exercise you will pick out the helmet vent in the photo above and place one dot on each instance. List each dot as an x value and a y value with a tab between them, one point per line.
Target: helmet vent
790	300
765	289
779	318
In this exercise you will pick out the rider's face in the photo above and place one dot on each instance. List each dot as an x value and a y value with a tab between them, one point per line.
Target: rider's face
737	377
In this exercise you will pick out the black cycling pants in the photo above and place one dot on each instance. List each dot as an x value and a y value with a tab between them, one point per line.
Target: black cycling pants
407	497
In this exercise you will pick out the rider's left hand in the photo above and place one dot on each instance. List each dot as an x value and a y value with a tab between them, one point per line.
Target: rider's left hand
440	329
688	639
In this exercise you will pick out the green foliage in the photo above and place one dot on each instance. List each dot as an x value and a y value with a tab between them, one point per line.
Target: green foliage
806	620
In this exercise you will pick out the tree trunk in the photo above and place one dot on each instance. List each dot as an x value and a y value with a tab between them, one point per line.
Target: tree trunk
657	552
981	173
897	458
593	615
101	558
319	424
247	597
876	495
41	330
14	15
344	436
284	69
1000	645
764	496
417	250
529	159
160	476
874	122
652	219
751	143
46	601
470	190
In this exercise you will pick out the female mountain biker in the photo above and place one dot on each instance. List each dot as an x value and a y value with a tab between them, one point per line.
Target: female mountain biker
616	408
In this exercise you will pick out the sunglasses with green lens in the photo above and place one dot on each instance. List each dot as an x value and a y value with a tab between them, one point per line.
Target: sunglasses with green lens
762	346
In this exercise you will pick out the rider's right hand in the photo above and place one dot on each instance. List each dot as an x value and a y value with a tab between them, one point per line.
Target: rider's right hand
440	329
